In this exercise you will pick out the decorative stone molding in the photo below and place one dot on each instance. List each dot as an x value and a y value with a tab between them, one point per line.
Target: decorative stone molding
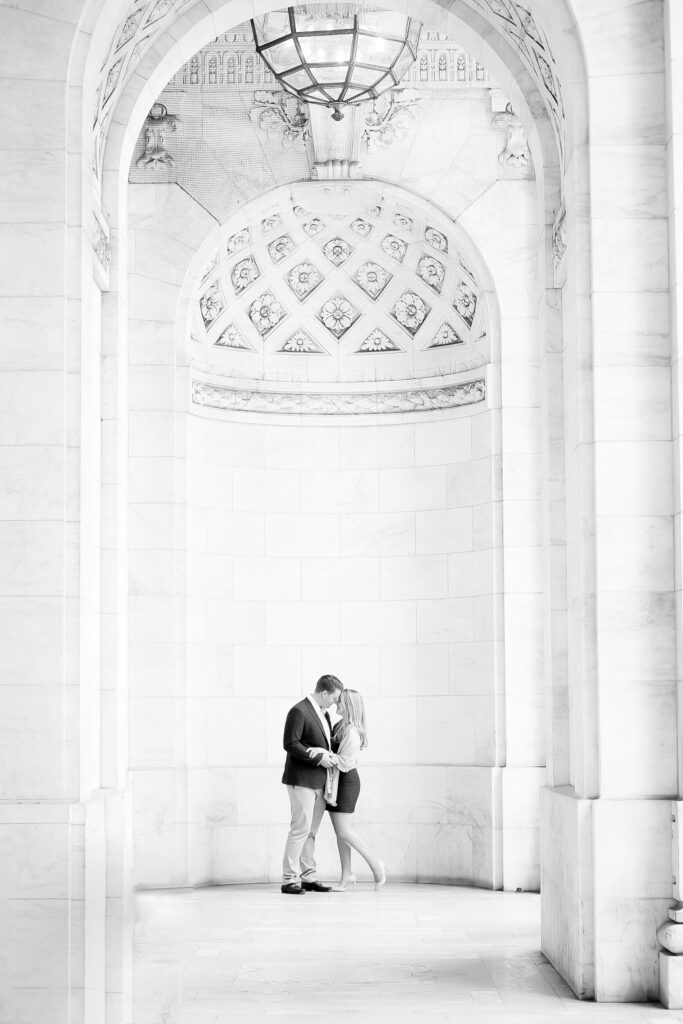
349	403
529	40
559	246
158	123
330	169
101	244
516	152
134	34
390	118
282	117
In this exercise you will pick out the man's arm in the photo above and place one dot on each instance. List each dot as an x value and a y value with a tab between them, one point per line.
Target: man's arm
291	741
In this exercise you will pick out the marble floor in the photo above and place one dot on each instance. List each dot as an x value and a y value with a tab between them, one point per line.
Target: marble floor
437	954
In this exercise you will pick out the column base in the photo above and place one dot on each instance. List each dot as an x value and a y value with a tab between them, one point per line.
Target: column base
670	980
606	885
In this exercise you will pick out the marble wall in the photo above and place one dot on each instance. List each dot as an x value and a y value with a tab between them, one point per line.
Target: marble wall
352	550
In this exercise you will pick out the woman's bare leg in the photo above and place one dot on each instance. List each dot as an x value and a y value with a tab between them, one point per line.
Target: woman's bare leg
345	834
345	859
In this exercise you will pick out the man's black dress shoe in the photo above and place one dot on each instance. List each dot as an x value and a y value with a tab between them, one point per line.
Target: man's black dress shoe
292	889
315	887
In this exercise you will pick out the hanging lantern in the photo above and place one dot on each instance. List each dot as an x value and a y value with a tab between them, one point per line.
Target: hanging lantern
339	55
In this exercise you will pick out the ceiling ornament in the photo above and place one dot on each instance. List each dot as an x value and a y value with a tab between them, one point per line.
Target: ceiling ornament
238	241
370	282
303	279
337	315
446	335
244	274
432	272
336	55
211	304
301	343
282	117
266	313
410	311
340	403
232	338
281	248
337	251
372	278
378	341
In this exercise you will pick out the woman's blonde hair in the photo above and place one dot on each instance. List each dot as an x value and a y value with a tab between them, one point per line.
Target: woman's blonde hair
352	710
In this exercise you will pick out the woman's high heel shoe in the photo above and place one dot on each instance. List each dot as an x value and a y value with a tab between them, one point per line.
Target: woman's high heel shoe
350	883
379	882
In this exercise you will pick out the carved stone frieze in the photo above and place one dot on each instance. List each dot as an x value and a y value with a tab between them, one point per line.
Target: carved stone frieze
349	403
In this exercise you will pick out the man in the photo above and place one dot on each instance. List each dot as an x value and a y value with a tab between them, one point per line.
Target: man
307	725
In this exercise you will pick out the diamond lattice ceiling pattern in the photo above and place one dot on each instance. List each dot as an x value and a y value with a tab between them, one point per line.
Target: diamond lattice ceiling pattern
381	292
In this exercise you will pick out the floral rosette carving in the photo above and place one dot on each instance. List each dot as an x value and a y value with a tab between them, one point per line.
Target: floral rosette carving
432	272
301	343
436	239
372	278
243	274
232	338
280	248
410	311
446	335
403	222
337	251
465	302
361	228
303	278
238	241
269	224
394	247
211	304
377	341
266	313
337	315
313	226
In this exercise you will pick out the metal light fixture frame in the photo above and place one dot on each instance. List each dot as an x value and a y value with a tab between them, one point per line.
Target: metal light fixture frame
409	40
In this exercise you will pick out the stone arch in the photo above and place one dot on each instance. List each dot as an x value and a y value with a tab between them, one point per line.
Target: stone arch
487	43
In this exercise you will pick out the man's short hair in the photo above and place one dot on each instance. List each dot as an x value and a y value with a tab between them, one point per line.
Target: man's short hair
328	684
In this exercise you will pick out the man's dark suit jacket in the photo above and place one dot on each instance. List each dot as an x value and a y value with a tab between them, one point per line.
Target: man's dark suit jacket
304	729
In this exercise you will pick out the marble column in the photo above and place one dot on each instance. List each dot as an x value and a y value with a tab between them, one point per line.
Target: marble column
670	934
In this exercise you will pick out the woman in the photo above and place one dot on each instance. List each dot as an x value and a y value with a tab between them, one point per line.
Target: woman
348	739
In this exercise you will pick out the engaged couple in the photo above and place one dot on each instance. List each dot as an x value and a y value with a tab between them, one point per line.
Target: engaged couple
320	774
